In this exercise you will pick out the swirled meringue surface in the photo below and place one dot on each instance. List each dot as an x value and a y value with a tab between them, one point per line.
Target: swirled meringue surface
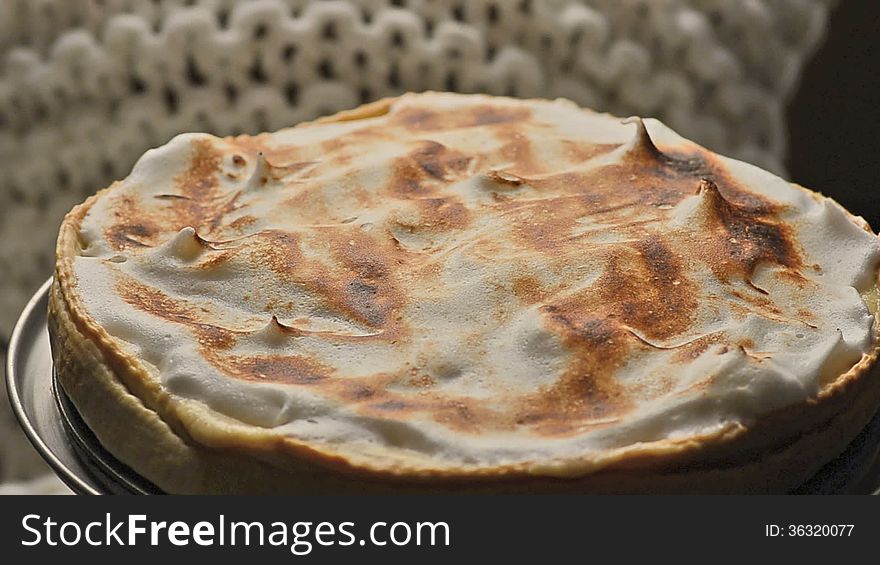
476	281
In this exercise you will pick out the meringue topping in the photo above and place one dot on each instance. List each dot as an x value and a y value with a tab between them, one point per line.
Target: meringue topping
478	280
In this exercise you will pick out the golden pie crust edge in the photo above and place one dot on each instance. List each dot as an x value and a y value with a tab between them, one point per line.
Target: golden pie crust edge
128	414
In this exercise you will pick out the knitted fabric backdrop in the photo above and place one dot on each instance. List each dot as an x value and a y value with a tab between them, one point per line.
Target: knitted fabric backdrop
86	86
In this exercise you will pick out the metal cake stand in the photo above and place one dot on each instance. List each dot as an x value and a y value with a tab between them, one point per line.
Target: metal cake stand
50	420
59	434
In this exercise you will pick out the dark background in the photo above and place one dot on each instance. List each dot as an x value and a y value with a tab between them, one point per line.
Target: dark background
834	119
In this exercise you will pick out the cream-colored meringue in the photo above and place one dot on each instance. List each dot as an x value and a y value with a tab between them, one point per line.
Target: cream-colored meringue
476	281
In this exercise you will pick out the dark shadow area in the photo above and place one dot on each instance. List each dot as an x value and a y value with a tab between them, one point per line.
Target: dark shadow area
834	118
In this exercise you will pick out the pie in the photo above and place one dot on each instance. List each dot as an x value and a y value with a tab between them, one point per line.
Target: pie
465	293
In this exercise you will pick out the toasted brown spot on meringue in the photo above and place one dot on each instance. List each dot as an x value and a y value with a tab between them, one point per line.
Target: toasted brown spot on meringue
368	258
442	213
546	225
422	381
489	115
199	181
664	305
693	349
278	250
749	232
199	184
580	151
251	144
332	145
362	298
417	173
424	119
283	369
645	288
130	235
355	283
760	301
130	227
390	406
587	390
516	148
462	415
214	337
358	392
216	260
364	286
243	222
159	304
528	289
806	314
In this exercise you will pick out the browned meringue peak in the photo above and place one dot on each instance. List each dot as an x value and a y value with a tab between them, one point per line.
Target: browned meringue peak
275	333
752	232
700	210
266	171
640	146
641	150
260	175
501	179
185	245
